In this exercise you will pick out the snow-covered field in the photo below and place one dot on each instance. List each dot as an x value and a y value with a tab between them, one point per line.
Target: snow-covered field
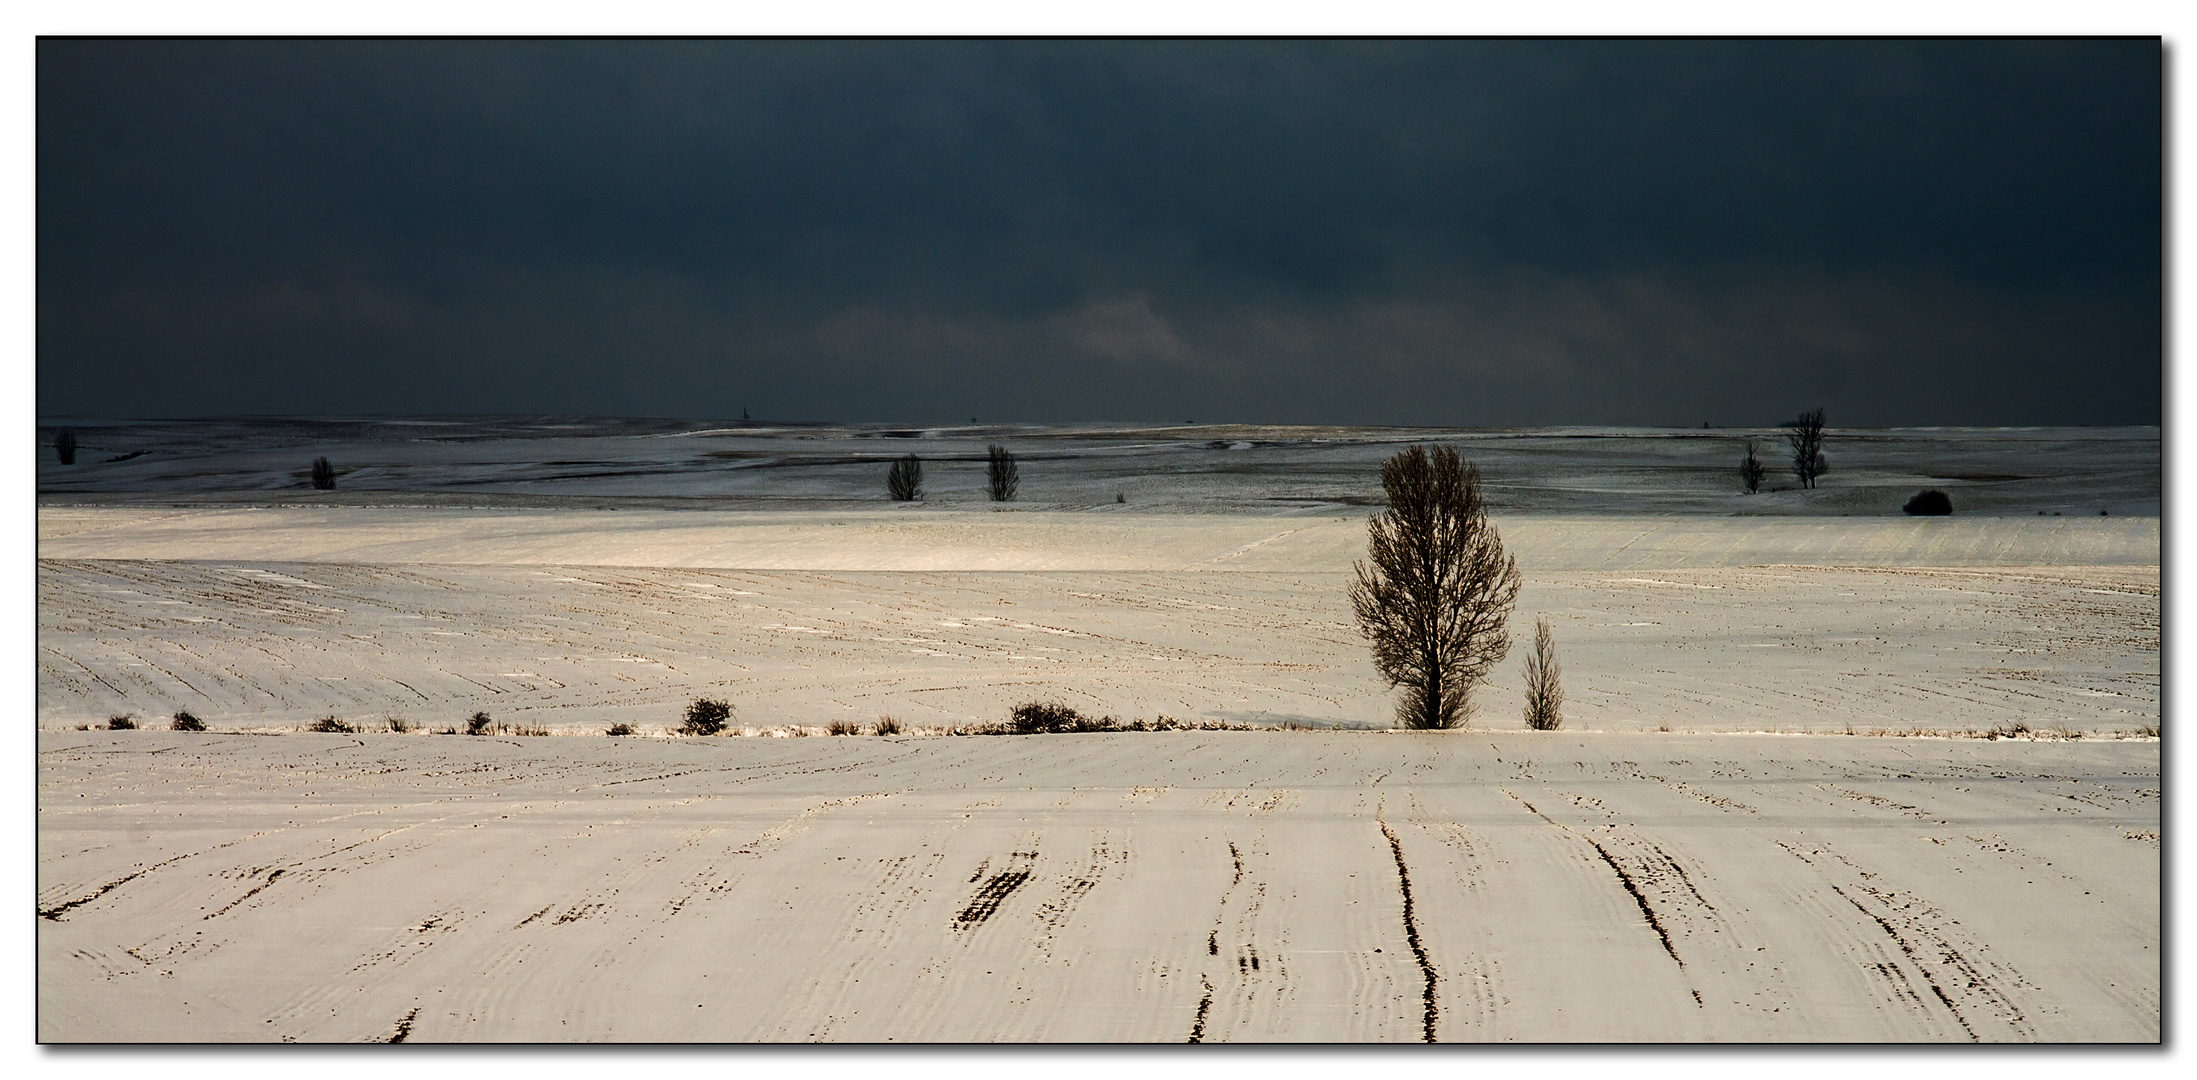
1585	884
1214	885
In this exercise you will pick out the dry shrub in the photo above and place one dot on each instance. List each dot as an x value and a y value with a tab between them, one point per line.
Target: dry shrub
121	723
843	727
1544	681
324	475
706	716
479	724
530	730
1042	718
331	726
399	725
886	725
620	728
184	721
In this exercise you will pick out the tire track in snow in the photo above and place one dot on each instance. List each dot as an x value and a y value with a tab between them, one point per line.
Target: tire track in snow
1411	932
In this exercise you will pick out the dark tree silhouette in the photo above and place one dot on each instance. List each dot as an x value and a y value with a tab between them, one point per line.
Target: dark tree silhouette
1544	681
1805	436
999	473
1439	589
64	446
324	475
1751	471
904	481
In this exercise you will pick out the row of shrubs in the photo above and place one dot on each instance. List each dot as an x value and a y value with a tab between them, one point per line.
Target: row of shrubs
479	723
708	716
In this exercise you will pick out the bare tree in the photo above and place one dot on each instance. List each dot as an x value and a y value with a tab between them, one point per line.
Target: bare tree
1440	587
1000	473
64	446
324	475
904	481
1751	470
1805	436
1544	681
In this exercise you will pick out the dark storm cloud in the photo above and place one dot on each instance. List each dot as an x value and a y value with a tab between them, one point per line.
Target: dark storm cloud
1407	232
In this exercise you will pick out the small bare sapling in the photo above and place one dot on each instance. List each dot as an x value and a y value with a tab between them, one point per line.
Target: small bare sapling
1001	477
1544	681
1751	471
324	475
64	446
904	481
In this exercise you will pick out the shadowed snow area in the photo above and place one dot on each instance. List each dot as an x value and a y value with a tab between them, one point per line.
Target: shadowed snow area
1659	869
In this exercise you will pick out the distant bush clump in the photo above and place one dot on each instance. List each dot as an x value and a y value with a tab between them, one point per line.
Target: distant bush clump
324	475
530	730
64	446
1000	474
479	724
620	728
1044	718
398	725
886	725
843	727
184	721
706	717
332	726
121	723
1930	504
904	481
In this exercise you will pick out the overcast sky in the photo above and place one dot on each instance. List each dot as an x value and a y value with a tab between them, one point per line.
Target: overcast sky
1425	232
